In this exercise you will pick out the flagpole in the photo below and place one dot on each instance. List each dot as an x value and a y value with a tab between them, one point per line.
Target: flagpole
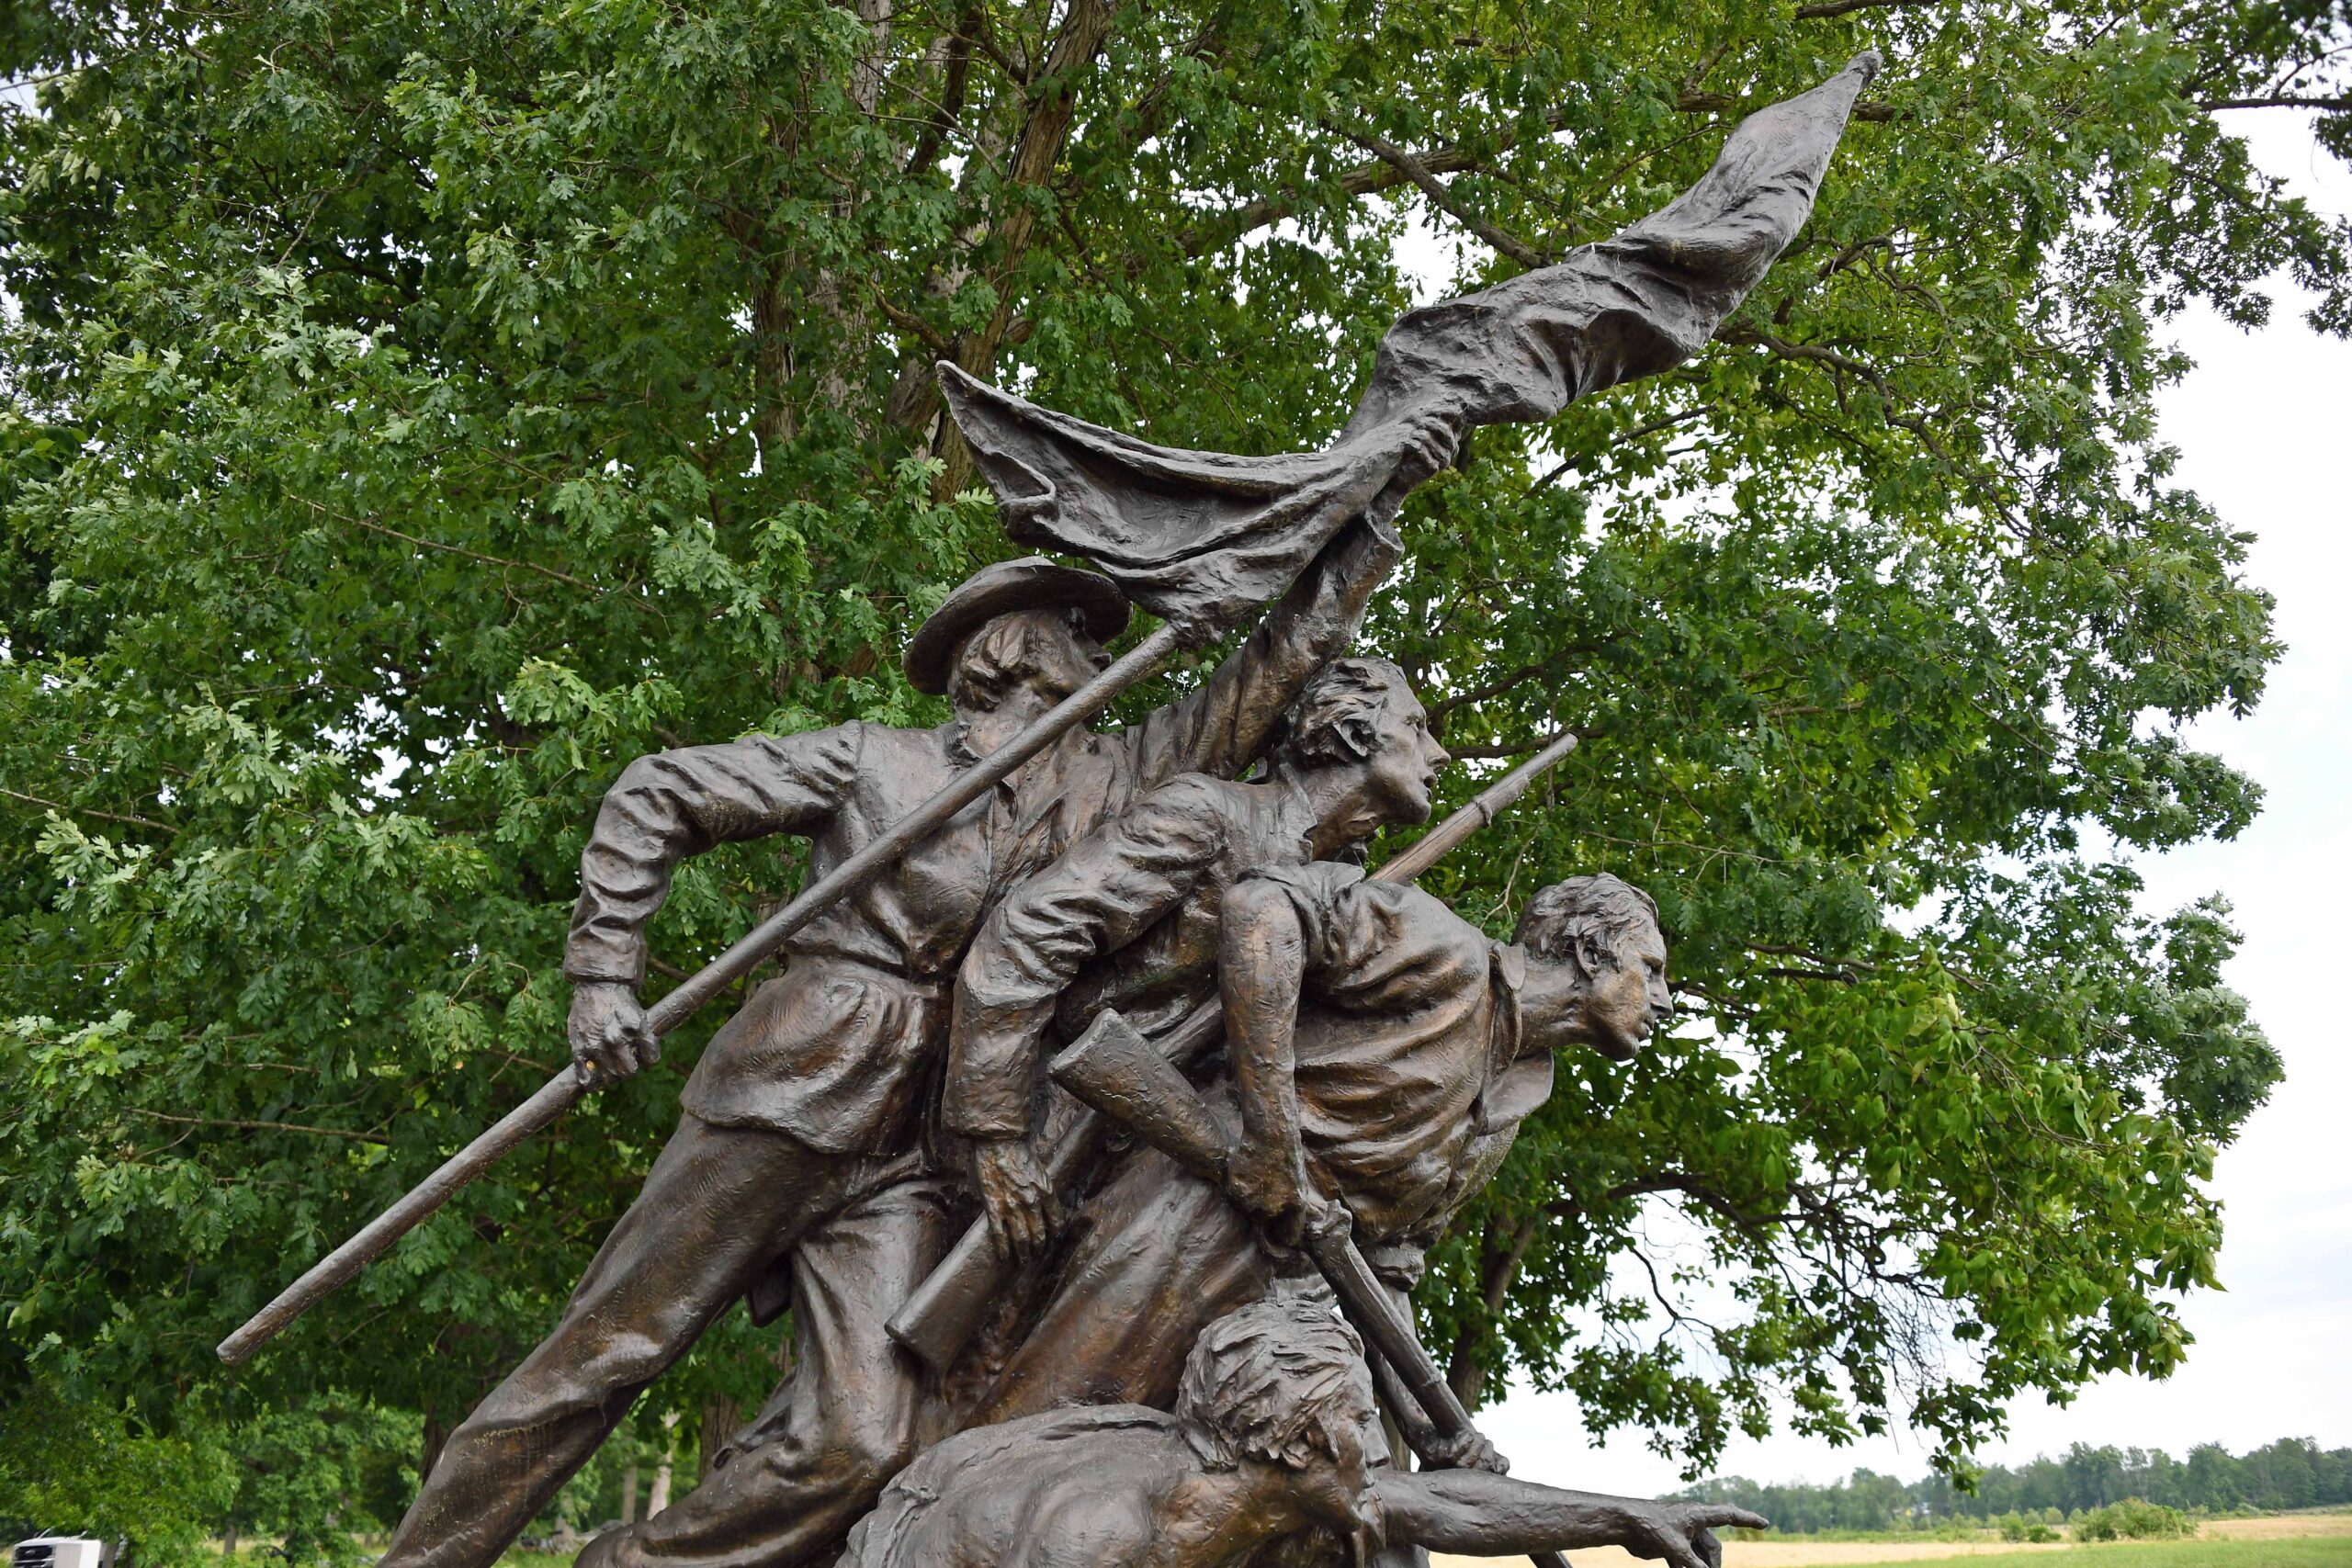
563	1091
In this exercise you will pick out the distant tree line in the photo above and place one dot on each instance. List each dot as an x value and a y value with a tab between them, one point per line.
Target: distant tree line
2293	1472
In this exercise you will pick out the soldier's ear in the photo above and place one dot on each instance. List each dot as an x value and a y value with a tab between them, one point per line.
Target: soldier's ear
1596	956
1357	733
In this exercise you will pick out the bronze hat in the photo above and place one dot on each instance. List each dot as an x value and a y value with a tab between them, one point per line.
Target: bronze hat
1032	582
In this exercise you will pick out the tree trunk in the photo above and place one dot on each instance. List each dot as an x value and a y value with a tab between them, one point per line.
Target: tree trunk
661	1497
435	1438
1086	27
1499	1253
629	1492
771	323
721	1418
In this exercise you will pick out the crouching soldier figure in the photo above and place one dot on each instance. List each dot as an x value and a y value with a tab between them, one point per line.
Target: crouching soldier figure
1128	915
1383	1051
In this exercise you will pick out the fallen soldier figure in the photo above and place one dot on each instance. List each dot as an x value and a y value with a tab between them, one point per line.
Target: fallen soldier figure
1273	1435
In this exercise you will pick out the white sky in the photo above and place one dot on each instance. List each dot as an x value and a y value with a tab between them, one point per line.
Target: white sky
2265	429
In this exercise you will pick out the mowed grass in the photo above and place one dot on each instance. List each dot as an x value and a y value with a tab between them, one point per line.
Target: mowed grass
2306	1551
2307	1540
2286	1540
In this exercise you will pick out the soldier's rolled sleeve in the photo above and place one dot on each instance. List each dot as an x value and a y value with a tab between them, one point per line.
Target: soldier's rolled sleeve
1105	890
670	805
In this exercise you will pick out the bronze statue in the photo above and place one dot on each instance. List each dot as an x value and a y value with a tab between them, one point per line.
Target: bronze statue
1379	1051
786	1468
798	1153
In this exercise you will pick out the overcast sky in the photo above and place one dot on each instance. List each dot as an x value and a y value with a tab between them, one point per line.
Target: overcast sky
2264	425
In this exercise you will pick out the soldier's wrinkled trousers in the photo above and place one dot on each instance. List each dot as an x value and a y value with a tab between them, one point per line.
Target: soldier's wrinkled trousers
719	1205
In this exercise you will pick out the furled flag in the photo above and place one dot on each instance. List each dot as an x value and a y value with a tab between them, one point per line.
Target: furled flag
1207	536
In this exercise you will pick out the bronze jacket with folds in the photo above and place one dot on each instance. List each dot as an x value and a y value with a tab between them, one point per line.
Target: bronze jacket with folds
1126	917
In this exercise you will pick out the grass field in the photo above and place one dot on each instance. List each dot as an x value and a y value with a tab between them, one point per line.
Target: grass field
2286	1540
2219	1551
2283	1541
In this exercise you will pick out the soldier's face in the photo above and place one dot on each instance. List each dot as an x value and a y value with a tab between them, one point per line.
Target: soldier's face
1611	999
1629	997
1405	759
1001	690
1338	1484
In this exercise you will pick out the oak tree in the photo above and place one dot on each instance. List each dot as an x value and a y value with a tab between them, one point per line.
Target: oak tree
414	409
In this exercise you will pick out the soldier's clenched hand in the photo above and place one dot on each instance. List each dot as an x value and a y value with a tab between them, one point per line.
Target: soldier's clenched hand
1468	1450
1015	1192
1271	1182
609	1039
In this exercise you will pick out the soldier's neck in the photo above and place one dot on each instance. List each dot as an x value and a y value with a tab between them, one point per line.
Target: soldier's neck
1552	1013
1341	806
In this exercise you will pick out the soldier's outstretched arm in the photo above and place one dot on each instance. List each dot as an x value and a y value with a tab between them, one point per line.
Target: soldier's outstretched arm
664	807
1492	1516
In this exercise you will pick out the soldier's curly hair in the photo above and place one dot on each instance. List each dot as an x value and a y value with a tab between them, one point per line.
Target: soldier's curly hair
1325	723
1264	1381
1584	921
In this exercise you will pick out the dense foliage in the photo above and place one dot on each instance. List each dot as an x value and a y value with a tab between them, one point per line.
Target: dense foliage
416	408
308	1479
2293	1472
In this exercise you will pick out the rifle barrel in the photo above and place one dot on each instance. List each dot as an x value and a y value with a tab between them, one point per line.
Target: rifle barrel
1475	813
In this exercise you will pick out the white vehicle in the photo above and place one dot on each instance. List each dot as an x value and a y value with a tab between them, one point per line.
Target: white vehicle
59	1551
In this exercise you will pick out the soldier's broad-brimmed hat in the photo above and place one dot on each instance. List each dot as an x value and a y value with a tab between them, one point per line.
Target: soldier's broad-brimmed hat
1032	582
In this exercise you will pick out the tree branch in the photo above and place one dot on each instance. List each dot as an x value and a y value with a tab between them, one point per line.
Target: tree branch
1217	232
1442	196
1840	8
1514	748
2278	101
955	80
260	1126
91	811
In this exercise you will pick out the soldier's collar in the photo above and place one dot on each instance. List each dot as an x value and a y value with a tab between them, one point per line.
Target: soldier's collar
1295	813
1508	966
